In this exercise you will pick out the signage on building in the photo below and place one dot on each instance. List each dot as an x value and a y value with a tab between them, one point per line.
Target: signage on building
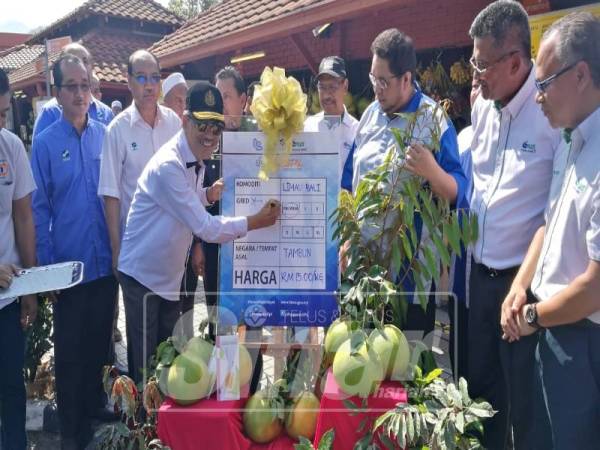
541	22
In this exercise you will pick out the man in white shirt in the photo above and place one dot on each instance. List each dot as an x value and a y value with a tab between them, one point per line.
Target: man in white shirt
168	209
332	85
465	138
563	262
17	248
131	140
512	151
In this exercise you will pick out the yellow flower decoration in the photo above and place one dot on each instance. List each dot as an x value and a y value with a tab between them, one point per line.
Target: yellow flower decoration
279	107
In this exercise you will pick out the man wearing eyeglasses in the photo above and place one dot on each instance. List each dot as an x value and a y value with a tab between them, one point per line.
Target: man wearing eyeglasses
513	151
50	112
168	210
393	78
131	140
563	262
332	85
70	226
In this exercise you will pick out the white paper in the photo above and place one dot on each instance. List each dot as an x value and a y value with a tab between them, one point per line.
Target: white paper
43	279
228	368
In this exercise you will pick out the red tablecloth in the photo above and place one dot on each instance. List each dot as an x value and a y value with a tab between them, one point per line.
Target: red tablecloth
334	414
209	424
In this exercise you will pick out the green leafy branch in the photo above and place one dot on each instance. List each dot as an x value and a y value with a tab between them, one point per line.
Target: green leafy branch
438	416
378	226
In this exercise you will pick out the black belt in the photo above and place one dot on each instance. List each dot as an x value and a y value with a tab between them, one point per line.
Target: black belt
493	273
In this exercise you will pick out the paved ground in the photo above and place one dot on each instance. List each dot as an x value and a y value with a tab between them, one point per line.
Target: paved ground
439	342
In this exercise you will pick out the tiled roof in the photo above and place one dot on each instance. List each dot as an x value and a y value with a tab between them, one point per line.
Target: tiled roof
109	50
9	40
227	17
144	10
18	56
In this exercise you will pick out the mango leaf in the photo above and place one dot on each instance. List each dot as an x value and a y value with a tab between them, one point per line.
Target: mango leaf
433	375
349	404
474	228
442	250
432	265
410	427
481	410
406	245
326	442
452	236
396	256
460	422
362	425
387	442
382	419
303	444
364	442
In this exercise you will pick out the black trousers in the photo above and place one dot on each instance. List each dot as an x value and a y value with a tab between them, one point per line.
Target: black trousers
500	372
12	386
150	320
83	319
458	345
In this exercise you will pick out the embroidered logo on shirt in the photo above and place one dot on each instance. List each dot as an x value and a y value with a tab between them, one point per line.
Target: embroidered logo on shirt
527	147
66	156
3	168
581	185
134	146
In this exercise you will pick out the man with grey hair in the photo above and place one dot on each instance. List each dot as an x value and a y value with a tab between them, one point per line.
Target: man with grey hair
563	264
512	154
51	111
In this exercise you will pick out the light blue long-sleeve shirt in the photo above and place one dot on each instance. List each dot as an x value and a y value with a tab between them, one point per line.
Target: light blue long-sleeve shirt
52	111
69	216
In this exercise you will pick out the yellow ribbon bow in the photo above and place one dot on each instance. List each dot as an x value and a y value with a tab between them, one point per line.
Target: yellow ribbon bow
279	107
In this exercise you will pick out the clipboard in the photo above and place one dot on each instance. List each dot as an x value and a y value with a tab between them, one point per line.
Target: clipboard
43	279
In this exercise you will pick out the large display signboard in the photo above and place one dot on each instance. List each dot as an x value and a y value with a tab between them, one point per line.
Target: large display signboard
286	274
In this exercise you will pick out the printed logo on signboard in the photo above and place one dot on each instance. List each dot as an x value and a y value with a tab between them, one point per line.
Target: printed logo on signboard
257	145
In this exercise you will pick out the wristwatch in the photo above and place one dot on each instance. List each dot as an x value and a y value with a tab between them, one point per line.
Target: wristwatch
531	315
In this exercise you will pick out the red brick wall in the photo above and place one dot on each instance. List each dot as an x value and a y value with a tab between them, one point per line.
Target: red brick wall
431	24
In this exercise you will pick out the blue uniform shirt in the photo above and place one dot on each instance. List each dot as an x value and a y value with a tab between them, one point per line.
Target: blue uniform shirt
68	214
374	139
52	111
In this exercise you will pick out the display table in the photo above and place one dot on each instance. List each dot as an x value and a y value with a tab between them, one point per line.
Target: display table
209	424
334	414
